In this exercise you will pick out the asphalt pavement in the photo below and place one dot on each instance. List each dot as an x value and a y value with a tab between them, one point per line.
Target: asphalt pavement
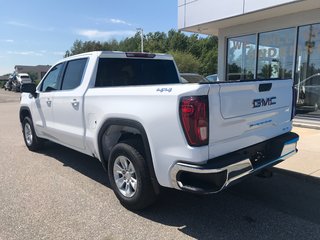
62	194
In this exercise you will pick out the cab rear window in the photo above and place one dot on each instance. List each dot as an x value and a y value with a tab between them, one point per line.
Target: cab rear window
131	71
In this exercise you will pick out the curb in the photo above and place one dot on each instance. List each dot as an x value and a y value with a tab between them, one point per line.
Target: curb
305	125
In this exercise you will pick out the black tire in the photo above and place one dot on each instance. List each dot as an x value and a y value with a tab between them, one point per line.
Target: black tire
143	195
32	141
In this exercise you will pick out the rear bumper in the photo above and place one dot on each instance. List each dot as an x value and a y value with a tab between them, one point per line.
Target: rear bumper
221	172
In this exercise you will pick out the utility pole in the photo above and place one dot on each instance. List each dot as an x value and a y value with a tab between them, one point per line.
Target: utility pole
140	30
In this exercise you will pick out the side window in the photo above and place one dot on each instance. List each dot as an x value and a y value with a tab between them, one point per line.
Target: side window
51	82
73	73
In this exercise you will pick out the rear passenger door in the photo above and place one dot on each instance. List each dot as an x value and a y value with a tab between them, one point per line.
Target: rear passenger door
68	105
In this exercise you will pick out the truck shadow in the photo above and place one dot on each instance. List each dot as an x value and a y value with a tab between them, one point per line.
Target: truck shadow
84	164
285	206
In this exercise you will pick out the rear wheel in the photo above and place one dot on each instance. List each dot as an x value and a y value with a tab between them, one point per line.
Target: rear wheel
129	177
32	141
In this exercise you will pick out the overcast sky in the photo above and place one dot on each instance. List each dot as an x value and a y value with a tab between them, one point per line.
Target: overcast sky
38	32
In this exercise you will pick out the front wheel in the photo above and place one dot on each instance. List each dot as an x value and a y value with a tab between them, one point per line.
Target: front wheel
32	141
129	177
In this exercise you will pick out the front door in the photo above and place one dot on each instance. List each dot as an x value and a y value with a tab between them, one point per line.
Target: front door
45	101
68	109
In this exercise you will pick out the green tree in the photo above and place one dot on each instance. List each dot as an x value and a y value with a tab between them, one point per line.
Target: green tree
177	41
130	44
192	52
266	71
186	62
33	75
156	42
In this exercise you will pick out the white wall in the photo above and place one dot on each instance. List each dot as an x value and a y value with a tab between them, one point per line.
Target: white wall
194	12
256	5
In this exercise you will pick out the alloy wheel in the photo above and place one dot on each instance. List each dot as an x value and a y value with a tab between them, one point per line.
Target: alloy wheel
125	176
28	134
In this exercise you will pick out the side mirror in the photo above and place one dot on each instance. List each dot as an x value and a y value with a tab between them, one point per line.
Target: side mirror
29	88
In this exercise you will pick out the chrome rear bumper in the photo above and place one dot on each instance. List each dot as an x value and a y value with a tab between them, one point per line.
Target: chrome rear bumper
221	172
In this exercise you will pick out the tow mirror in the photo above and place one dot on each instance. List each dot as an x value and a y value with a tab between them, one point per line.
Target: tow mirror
29	88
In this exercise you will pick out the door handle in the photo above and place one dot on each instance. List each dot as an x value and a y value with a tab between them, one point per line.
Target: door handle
265	87
75	103
49	102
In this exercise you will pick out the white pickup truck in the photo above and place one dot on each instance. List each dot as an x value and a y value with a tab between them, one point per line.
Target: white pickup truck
131	111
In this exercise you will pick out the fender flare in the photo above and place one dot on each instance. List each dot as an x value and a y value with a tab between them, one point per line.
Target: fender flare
24	109
138	126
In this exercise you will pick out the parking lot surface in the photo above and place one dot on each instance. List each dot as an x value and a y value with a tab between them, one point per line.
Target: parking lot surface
61	194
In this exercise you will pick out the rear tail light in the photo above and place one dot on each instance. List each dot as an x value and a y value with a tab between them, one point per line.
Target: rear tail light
194	117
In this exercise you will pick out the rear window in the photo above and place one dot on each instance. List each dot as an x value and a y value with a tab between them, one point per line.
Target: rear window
25	77
73	74
126	72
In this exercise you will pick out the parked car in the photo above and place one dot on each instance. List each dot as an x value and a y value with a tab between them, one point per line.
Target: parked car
12	84
192	78
309	93
212	78
23	78
131	111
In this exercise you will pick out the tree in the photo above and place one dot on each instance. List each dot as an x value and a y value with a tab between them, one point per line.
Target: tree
266	71
130	44
192	53
33	75
156	42
177	41
186	62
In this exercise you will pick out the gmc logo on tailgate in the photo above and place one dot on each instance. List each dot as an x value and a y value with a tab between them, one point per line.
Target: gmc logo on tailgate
261	102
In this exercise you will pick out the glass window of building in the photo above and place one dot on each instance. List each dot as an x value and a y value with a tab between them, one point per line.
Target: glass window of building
241	58
276	54
307	74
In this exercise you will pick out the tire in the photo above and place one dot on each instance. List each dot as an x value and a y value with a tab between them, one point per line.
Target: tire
32	141
129	177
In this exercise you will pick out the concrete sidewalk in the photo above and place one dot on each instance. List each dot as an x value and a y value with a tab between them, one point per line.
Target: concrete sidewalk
307	160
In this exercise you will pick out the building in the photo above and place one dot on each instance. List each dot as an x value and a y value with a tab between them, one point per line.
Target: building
34	71
275	39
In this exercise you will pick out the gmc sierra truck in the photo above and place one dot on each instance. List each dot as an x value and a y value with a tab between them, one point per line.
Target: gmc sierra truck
149	129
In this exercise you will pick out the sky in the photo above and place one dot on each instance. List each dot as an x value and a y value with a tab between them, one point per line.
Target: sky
38	32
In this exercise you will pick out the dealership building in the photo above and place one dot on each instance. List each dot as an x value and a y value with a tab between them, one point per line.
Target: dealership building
274	39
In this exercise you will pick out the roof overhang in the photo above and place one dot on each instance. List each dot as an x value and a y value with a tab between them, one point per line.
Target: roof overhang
212	28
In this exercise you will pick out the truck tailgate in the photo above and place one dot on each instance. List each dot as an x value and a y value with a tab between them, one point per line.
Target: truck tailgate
246	113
